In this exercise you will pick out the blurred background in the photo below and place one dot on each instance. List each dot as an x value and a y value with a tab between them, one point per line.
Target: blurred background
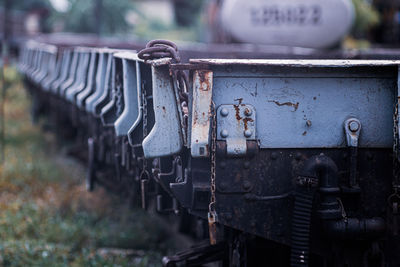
371	22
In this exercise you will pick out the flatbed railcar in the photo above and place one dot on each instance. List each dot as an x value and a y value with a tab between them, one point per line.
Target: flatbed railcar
283	162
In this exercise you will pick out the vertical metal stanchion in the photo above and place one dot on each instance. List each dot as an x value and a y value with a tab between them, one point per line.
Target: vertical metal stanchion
4	63
2	113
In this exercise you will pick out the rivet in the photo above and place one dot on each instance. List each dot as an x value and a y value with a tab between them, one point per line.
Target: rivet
298	156
222	164
274	155
246	185
308	123
253	224
224	112
228	69
248	112
253	69
248	133
370	156
246	164
222	186
224	133
354	126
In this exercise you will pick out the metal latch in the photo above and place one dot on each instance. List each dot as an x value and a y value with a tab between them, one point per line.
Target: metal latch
236	124
352	129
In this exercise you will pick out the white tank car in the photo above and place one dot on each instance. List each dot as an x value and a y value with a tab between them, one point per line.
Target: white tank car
303	23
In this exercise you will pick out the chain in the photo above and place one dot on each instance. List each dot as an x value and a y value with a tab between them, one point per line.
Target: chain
396	169
144	175
159	48
394	198
396	146
118	94
213	160
212	214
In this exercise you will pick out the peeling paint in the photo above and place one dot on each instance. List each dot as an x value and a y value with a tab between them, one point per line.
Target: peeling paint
290	104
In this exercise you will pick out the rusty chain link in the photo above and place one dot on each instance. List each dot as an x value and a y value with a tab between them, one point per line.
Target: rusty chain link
144	175
156	49
212	214
394	198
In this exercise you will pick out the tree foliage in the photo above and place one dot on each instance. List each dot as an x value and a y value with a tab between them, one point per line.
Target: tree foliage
103	16
366	17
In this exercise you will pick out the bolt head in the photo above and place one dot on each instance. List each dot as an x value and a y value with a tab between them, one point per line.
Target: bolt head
248	133
224	133
224	112
248	112
246	164
223	186
222	164
246	185
354	126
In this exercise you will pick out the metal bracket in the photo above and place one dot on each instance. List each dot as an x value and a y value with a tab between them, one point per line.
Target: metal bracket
352	129
236	124
165	138
200	129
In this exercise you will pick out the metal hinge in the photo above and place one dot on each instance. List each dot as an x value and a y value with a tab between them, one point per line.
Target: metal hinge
236	124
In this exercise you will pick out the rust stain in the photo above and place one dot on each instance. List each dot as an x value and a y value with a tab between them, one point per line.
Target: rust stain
204	77
195	117
245	121
240	100
290	104
304	133
237	109
163	108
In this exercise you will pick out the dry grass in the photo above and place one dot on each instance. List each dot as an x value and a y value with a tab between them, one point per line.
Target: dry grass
46	216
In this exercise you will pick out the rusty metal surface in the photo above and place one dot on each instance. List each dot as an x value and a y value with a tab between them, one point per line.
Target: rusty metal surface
307	106
340	63
201	111
236	124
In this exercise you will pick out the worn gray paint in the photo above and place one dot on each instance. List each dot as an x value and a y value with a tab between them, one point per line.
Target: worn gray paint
100	78
106	89
306	105
80	81
71	74
138	118
200	114
131	108
67	55
165	138
90	82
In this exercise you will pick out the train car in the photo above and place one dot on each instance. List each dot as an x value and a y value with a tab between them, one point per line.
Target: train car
279	162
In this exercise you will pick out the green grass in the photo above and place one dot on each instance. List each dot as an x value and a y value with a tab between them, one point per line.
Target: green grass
46	216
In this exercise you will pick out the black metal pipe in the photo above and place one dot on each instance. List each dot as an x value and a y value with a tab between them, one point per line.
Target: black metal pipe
318	171
324	169
354	228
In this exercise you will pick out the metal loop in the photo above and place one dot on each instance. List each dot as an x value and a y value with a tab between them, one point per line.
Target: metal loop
392	198
144	175
162	42
160	49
